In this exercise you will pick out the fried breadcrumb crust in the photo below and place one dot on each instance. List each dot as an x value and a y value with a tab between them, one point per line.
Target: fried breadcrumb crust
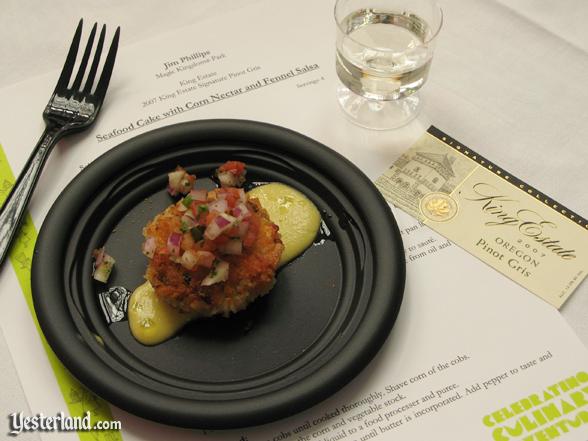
251	274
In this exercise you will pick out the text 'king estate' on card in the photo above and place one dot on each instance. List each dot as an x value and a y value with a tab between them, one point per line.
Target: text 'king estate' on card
506	223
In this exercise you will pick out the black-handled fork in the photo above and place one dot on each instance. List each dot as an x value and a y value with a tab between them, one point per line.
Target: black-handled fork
69	110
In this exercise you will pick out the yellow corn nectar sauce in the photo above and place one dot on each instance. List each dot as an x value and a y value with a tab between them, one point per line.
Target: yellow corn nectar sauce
152	320
296	216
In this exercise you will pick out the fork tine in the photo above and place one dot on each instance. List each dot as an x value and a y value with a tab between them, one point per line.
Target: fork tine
70	60
108	67
82	69
94	67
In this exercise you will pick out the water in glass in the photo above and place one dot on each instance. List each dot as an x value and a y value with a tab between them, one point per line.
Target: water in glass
383	55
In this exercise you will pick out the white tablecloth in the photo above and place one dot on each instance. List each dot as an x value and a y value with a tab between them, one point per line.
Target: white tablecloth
527	103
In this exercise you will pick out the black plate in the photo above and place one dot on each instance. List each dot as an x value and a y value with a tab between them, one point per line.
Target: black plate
327	316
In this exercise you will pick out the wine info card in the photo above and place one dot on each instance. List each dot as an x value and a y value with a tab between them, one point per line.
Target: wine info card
503	221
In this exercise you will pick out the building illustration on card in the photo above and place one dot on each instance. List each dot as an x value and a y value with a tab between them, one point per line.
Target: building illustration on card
421	171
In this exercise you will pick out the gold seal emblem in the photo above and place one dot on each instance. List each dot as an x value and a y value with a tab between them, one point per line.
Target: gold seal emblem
438	207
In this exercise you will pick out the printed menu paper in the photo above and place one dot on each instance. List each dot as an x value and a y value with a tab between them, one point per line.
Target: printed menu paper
503	221
472	356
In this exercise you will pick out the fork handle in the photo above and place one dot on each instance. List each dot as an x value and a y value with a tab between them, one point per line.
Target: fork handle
16	203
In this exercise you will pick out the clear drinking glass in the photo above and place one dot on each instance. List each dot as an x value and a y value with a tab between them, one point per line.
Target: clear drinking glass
384	52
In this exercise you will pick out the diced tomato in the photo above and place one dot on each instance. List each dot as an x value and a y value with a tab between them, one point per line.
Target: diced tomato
235	167
210	216
229	192
205	245
232	200
203	218
200	216
209	245
221	240
233	232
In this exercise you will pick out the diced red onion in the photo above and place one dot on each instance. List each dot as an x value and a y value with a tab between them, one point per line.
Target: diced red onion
219	225
241	211
103	269
98	255
221	221
149	247
173	243
232	220
220	206
212	231
189	259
